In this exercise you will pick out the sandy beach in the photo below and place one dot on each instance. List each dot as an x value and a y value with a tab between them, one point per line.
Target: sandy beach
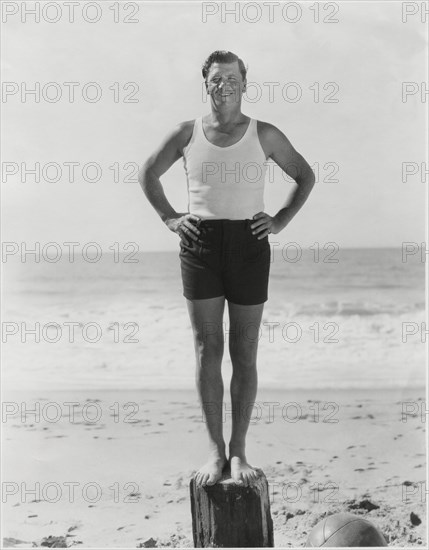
109	469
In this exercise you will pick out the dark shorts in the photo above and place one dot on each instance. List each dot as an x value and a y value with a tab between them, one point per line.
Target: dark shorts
226	260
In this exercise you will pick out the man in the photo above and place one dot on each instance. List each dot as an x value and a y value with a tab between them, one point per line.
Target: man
224	248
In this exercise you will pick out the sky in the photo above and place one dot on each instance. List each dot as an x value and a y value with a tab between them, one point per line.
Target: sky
350	120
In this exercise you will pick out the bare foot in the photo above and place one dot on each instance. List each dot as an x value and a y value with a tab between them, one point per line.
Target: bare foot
211	472
241	471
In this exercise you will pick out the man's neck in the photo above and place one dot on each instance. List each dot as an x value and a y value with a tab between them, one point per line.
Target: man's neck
226	116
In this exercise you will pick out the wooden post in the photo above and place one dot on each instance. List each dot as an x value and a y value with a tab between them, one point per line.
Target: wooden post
228	515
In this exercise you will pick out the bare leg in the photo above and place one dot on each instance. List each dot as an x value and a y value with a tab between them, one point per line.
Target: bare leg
243	347
206	319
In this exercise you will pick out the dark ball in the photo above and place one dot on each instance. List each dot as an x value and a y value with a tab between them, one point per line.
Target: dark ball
345	530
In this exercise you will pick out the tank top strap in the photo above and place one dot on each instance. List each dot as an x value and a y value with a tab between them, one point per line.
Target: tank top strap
199	126
250	132
251	136
253	129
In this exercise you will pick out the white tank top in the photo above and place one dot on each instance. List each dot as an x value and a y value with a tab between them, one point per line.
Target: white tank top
225	182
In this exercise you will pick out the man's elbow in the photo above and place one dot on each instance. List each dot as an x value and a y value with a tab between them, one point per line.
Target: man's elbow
145	173
307	179
311	178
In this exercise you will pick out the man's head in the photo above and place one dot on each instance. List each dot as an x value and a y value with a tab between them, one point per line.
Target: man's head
224	75
222	56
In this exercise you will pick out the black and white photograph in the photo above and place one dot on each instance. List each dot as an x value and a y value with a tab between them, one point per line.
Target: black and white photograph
214	282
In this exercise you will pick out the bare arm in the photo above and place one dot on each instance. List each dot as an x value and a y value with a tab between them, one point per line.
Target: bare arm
155	166
170	150
279	148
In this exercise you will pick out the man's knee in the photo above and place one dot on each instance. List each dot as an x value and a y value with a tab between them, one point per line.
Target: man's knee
209	346
243	353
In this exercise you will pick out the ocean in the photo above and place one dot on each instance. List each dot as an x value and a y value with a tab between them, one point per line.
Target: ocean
349	318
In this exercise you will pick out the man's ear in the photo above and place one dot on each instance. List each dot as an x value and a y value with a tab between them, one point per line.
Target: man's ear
245	85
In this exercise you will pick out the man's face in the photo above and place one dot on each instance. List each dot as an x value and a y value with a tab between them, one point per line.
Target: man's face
224	83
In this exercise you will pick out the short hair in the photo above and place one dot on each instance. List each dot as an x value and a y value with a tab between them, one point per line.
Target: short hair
223	56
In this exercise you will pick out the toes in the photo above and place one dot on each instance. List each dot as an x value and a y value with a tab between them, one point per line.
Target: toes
200	478
237	479
209	474
211	480
245	474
